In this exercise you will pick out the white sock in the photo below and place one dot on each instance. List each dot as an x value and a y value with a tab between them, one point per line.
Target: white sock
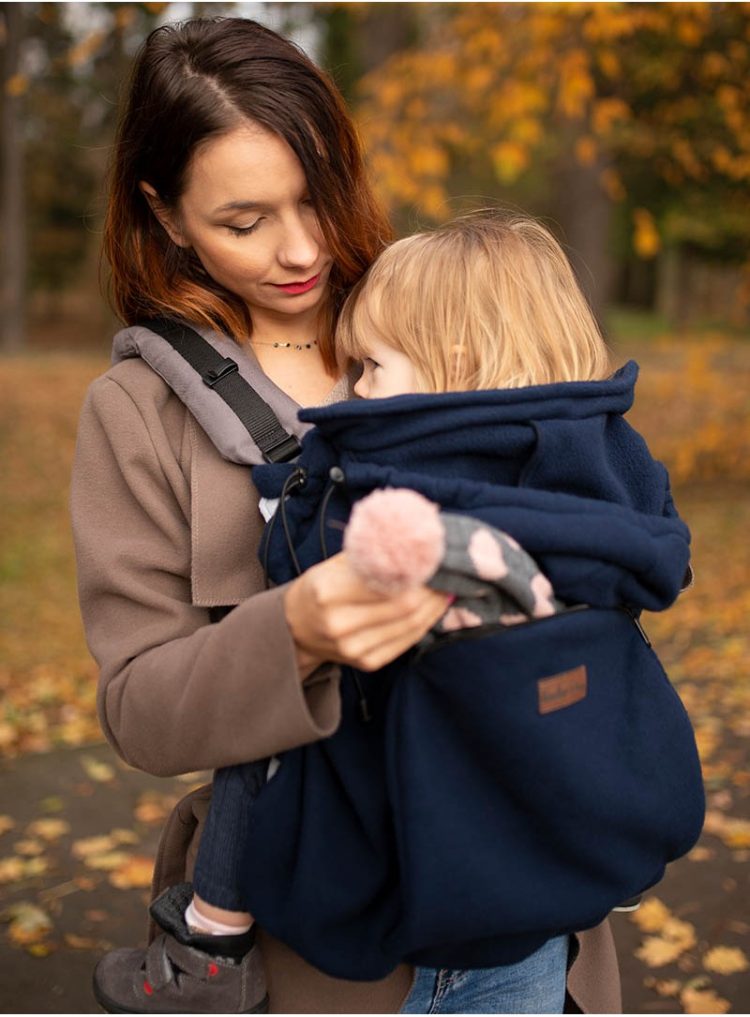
198	922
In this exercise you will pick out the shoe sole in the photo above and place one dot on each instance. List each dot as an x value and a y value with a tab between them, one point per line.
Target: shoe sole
110	1006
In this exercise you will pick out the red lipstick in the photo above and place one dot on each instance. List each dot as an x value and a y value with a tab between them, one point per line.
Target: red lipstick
298	287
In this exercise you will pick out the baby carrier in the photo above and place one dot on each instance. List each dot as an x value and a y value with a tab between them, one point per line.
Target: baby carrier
504	784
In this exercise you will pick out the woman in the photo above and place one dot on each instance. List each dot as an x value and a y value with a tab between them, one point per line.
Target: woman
238	203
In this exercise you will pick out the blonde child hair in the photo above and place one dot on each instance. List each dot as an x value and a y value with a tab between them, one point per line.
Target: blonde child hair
488	300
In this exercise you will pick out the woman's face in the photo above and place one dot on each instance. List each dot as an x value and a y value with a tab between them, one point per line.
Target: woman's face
247	214
386	372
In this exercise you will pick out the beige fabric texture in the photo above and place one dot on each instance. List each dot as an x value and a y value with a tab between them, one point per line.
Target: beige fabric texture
164	529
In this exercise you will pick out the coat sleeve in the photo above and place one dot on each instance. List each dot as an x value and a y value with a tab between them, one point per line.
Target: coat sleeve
176	693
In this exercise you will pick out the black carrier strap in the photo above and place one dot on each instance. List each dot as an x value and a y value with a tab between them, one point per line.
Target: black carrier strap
222	375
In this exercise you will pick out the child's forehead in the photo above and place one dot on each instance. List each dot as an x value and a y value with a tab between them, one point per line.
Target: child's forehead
372	345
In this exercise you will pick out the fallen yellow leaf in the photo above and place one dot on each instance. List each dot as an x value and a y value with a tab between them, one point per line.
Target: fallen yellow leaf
725	960
35	866
677	931
651	915
736	833
668	987
48	829
153	806
137	871
701	854
11	869
28	923
29	847
42	949
102	773
656	952
86	943
6	823
123	836
676	937
107	861
703	1001
150	812
92	846
52	803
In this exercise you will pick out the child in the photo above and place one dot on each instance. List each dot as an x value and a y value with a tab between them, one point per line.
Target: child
483	304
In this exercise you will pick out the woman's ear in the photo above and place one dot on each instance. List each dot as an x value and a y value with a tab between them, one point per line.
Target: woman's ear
165	216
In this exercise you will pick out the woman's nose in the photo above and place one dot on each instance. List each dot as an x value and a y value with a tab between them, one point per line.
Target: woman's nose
300	246
361	388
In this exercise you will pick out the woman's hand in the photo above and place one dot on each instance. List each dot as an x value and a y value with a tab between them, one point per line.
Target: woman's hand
334	616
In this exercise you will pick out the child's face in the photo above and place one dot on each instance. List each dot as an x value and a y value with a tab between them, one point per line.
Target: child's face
387	372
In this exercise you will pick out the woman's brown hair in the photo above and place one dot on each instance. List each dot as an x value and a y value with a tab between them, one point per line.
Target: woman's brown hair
201	79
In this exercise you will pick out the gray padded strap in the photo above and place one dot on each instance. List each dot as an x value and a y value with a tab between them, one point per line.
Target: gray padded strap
219	422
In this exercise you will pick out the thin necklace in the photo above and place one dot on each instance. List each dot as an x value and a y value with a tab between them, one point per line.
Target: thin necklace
277	345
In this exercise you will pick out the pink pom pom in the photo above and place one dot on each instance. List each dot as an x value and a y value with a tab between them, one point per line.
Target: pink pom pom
395	539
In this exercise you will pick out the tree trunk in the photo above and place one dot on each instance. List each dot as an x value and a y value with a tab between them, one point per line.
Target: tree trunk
585	214
12	205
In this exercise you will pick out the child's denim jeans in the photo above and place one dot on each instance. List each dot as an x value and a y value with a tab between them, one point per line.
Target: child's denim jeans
534	985
225	835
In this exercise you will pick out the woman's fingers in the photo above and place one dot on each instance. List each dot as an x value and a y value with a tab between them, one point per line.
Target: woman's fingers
333	616
335	581
369	644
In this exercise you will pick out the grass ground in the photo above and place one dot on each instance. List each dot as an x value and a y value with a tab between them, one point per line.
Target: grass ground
46	676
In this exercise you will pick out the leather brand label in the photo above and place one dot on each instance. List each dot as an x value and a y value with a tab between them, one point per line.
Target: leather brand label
561	690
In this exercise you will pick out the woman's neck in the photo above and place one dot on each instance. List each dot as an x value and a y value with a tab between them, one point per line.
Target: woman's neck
286	348
301	374
287	328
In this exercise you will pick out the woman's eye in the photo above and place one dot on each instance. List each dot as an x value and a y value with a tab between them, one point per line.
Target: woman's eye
242	231
372	364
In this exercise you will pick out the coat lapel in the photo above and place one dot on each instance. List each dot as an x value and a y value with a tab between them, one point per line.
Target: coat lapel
226	526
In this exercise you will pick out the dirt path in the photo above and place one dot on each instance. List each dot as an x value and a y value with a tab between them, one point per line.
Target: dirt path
91	825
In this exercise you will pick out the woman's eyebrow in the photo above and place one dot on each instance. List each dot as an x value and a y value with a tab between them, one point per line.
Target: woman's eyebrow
239	206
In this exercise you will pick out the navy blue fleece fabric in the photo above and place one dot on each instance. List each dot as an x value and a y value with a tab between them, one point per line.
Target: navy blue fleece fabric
465	822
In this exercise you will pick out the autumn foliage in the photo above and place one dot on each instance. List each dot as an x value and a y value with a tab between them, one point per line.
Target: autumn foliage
652	97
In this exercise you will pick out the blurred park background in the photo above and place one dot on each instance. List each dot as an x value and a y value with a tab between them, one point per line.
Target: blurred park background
627	128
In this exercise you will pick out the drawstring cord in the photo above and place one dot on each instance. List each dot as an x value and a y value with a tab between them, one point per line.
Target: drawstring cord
337	480
364	706
294	482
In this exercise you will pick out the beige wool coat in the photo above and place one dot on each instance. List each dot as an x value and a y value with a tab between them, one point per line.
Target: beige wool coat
164	530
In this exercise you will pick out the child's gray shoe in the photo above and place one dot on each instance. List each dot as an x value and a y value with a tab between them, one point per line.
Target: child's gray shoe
181	971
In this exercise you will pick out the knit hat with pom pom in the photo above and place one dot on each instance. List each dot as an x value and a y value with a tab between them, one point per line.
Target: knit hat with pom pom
395	540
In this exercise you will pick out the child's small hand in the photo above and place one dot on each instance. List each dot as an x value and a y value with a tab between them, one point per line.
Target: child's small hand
334	616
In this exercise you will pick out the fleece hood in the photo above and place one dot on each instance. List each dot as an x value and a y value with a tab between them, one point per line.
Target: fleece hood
556	466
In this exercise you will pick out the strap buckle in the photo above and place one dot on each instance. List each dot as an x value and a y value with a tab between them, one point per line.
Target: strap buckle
282	451
217	374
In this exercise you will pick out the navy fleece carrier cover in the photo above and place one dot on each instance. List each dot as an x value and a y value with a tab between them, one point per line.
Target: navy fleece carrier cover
510	787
